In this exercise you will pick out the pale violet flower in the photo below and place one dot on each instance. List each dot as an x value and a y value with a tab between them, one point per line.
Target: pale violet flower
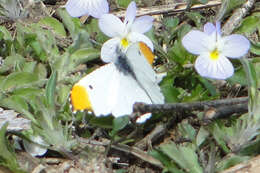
94	8
213	50
124	33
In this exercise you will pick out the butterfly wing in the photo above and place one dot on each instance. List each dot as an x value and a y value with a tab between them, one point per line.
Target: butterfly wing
144	72
129	92
95	91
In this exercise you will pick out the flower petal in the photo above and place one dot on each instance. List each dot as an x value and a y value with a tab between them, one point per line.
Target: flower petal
98	8
209	28
111	25
108	50
142	24
134	37
234	46
197	42
77	8
130	13
218	28
95	8
215	69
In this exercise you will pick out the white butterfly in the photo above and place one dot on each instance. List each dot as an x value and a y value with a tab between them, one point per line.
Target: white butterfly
116	86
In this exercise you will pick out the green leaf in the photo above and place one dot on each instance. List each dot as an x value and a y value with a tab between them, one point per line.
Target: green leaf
219	133
178	54
41	71
81	40
123	3
171	93
119	123
18	104
254	97
229	161
13	62
171	22
239	77
249	25
50	89
18	80
7	155
166	161
5	34
63	93
27	91
201	136
211	88
84	55
54	24
184	156
72	24
255	48
29	67
196	17
187	131
103	122
95	33
228	5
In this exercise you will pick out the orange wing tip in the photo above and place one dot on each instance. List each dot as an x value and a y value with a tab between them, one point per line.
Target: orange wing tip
79	99
146	51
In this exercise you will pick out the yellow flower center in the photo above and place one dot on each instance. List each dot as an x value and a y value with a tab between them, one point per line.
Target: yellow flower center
124	42
214	55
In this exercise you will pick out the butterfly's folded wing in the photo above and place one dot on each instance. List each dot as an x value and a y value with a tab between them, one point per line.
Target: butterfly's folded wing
129	92
144	73
101	86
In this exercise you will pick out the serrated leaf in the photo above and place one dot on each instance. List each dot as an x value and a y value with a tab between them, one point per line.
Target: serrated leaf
184	156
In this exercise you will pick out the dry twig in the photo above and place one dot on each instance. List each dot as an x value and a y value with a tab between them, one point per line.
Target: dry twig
169	8
177	107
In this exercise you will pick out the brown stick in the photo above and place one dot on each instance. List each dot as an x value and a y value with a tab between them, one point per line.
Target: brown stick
169	9
176	107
